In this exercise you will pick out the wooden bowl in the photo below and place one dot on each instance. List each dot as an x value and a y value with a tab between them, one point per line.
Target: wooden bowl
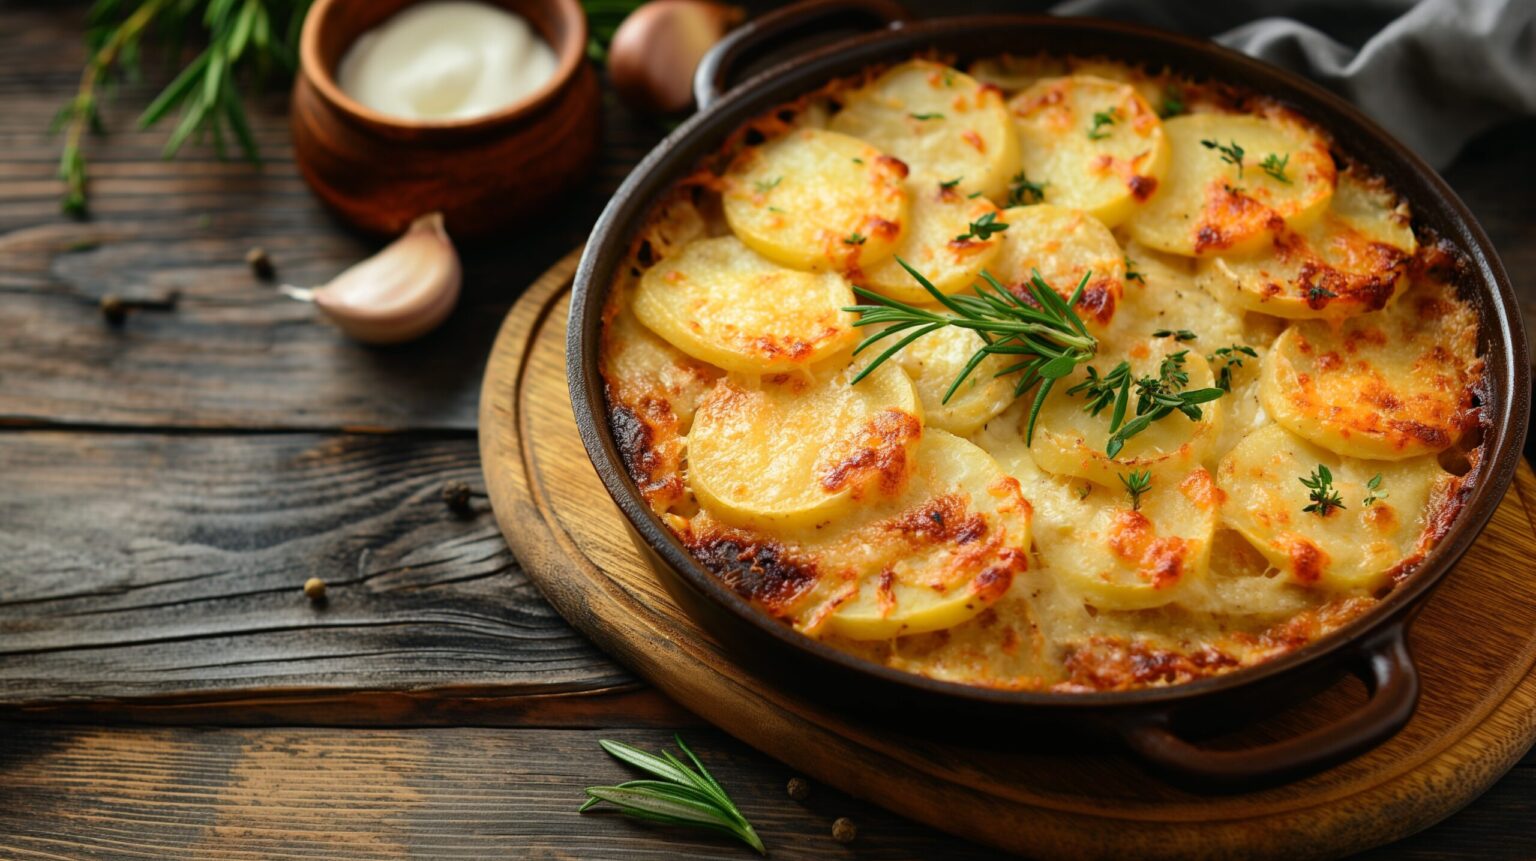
486	174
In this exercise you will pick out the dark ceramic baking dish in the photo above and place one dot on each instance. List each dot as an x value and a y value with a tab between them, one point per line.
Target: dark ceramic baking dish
1164	726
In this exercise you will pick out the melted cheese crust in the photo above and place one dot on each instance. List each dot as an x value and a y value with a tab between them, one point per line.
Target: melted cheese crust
928	534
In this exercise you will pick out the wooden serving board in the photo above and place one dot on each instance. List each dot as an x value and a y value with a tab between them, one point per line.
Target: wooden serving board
1475	644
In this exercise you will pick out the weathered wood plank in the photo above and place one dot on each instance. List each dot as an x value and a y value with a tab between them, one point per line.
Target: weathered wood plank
468	793
170	566
353	794
234	353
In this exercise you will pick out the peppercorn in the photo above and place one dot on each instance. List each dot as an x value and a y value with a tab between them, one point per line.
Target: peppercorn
456	496
843	830
314	589
799	788
260	263
114	309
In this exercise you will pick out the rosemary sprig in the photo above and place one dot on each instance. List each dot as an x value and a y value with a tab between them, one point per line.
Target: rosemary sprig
1048	337
1137	483
1324	498
1022	192
1176	334
1231	153
255	35
683	796
1131	274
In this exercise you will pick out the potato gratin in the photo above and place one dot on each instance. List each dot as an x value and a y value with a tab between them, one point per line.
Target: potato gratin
1214	396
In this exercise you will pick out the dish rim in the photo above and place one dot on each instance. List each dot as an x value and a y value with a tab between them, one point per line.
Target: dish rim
1501	335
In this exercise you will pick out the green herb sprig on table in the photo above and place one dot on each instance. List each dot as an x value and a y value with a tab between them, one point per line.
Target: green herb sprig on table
1048	337
256	36
689	797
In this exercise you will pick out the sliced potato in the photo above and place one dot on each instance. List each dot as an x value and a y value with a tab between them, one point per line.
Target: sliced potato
948	550
1064	245
1098	545
653	390
719	301
817	200
1012	73
1161	294
1208	206
1353	548
940	216
1352	260
1096	144
1069	440
938	120
800	449
935	360
1392	384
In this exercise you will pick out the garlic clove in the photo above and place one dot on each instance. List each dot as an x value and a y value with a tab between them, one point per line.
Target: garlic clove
403	292
655	51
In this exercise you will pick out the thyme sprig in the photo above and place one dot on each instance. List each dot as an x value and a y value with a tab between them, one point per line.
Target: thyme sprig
1137	483
684	796
1374	493
1156	397
259	36
1100	120
1022	192
1231	153
1323	496
983	228
1047	337
1230	357
1275	167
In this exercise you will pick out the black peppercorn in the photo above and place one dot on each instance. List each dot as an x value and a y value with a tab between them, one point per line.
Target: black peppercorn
843	830
260	263
314	589
114	309
799	788
456	496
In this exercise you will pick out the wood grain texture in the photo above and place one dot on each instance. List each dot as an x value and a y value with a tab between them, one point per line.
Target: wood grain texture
1476	719
439	794
170	567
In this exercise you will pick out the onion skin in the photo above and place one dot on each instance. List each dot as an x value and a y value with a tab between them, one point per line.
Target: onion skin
656	49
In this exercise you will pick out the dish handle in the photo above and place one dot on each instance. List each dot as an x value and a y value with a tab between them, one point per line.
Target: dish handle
1392	683
761	35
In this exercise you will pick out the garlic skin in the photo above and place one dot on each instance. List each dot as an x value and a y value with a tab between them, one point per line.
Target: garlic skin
401	293
654	52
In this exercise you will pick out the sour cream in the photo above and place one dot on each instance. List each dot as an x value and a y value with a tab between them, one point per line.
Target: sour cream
446	60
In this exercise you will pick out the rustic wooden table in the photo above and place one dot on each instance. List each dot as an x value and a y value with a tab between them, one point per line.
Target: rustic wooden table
165	689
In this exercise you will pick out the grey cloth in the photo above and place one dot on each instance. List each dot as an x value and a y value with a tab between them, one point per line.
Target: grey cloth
1434	73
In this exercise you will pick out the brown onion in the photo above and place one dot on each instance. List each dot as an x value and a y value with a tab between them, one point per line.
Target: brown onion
656	49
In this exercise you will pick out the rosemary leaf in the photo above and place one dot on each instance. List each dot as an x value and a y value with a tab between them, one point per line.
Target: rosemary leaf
684	796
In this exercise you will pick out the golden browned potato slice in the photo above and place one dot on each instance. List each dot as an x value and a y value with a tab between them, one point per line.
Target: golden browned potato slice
1349	548
1096	144
940	245
719	301
653	389
1392	384
817	200
1350	261
801	449
1209	205
1070	440
938	120
949	549
1064	245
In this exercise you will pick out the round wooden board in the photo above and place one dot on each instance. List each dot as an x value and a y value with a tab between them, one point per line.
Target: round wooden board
1475	644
